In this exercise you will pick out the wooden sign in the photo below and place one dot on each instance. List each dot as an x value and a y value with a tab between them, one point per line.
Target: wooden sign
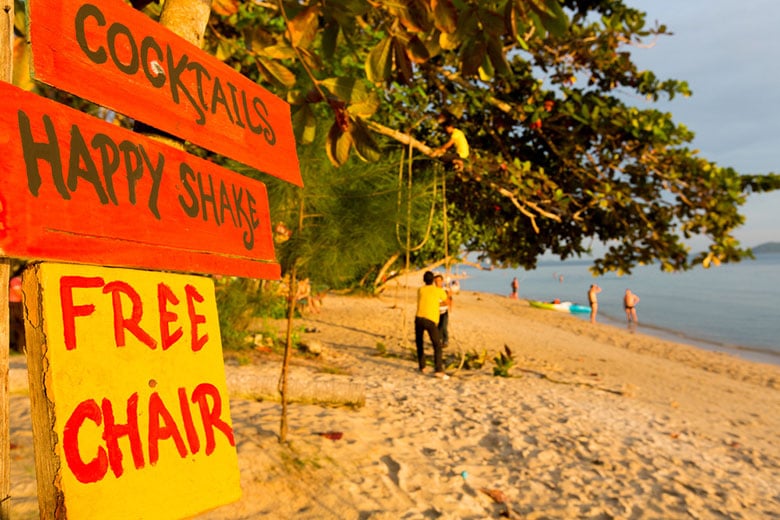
74	188
111	54
130	407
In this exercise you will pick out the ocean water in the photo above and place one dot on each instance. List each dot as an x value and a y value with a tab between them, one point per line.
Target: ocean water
733	308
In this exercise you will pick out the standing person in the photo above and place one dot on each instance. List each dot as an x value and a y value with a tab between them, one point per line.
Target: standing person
629	304
458	140
444	311
426	320
515	287
593	301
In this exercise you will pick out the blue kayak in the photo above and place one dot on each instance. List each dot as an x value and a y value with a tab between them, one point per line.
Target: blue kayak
574	308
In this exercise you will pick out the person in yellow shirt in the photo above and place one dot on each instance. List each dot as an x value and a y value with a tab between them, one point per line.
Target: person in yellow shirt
426	319
459	142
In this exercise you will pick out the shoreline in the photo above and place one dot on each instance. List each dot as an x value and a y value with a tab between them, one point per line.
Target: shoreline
757	354
744	352
594	422
687	306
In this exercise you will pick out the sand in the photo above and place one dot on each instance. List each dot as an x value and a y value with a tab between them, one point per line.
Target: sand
593	422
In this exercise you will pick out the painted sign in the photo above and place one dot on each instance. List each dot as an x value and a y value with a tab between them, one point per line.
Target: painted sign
111	54
74	188
131	382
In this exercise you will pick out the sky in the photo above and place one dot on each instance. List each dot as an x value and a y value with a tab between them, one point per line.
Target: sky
729	53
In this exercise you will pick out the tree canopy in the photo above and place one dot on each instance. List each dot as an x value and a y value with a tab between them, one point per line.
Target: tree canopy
565	151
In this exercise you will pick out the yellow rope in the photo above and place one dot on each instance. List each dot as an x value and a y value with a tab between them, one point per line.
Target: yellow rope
408	247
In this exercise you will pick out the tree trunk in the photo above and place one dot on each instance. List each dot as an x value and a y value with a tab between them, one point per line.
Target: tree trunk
187	18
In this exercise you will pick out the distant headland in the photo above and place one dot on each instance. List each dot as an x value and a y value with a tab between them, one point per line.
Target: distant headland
767	247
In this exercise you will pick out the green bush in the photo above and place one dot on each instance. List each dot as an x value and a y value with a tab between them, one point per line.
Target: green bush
241	300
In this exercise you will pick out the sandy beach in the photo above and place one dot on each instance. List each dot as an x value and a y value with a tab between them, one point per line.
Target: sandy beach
595	422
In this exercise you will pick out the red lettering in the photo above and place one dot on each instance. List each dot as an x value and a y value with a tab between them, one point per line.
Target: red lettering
161	426
189	425
194	296
70	311
157	411
129	320
211	416
85	472
133	323
112	432
165	295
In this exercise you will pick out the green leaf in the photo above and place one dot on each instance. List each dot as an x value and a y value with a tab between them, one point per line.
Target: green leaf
346	11
493	23
225	50
338	145
257	39
365	146
445	15
20	17
496	53
472	55
416	16
554	19
355	94
379	63
276	72
280	51
304	124
417	50
486	71
21	65
330	37
403	64
303	28
450	41
224	7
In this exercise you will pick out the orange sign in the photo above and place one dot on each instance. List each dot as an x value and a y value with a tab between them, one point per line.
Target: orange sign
111	54
74	188
134	389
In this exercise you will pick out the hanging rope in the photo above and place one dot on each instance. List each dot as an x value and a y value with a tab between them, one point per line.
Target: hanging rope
444	218
445	224
407	244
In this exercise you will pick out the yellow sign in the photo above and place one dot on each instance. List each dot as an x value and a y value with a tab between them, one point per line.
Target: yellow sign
137	384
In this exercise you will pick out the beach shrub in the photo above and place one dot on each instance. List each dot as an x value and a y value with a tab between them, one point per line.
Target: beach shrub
504	362
240	301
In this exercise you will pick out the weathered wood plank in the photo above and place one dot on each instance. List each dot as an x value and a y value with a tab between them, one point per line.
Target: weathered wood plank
74	188
118	57
129	403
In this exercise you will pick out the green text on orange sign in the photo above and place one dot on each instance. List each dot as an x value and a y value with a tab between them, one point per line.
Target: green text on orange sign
116	56
75	188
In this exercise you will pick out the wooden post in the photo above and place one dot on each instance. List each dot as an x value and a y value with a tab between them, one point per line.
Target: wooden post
5	402
6	74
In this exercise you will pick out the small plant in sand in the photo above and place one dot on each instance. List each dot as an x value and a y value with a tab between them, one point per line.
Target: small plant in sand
504	362
473	360
243	359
